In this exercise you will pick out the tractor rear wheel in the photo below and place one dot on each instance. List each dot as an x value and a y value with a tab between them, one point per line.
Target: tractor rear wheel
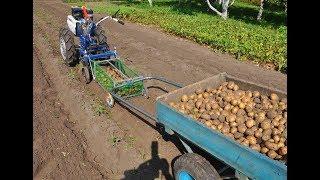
67	47
100	36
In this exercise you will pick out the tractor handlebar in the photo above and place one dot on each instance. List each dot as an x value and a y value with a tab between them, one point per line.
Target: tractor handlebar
107	17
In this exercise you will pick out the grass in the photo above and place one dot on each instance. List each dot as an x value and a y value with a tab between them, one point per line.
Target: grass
72	74
114	140
241	34
130	141
100	108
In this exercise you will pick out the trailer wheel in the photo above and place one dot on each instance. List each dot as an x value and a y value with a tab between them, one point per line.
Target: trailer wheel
67	47
85	74
101	37
192	166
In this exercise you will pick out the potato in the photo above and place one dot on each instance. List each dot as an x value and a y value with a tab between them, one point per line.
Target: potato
214	116
202	110
205	95
234	110
282	121
214	105
275	123
283	150
231	118
184	98
245	100
276	138
249	94
278	157
213	127
240	119
258	134
225	129
241	112
265	137
256	94
242	128
227	107
238	135
241	105
200	96
220	126
198	104
205	116
235	87
252	140
249	132
280	144
250	123
266	124
245	142
230	85
222	118
208	106
208	123
272	154
255	147
264	150
233	130
271	145
281	127
233	124
215	122
234	102
267	132
276	131
271	114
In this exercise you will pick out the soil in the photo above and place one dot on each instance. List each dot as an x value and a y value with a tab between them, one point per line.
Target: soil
77	137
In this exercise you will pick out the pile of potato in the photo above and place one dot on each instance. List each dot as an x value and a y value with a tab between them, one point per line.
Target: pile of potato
250	118
115	75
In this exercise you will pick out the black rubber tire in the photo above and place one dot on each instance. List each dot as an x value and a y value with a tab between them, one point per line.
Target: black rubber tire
197	166
100	36
70	49
85	74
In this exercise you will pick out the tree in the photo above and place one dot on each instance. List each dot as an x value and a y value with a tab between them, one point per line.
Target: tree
225	5
260	10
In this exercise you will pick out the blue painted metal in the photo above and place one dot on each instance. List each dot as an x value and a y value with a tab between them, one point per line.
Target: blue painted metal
184	175
241	158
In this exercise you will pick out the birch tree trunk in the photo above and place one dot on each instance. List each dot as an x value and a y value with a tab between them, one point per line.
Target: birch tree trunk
225	5
150	2
260	11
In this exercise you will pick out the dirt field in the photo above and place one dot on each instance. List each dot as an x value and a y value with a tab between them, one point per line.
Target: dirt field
72	141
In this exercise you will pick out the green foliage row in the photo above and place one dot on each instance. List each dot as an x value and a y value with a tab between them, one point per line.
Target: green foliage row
241	34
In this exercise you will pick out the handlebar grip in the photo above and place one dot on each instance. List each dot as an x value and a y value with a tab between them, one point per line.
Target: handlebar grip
121	22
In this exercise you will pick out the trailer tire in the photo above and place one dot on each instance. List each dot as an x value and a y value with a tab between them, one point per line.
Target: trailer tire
67	47
193	165
101	37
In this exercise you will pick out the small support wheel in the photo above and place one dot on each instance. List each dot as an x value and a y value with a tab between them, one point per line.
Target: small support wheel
85	74
191	166
109	100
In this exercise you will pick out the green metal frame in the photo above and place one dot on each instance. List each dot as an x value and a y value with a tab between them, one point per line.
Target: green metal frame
126	88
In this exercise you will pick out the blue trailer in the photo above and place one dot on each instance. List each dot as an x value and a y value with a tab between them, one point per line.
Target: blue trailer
247	163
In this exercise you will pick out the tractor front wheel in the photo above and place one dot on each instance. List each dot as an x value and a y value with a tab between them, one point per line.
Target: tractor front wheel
67	47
